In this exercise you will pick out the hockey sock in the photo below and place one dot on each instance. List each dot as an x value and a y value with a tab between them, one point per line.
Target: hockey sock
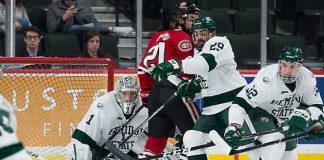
156	145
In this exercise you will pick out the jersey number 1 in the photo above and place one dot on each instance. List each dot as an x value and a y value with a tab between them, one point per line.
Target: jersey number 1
88	122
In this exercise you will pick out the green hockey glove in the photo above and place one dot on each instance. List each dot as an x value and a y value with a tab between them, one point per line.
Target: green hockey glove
190	88
298	121
232	136
316	125
163	70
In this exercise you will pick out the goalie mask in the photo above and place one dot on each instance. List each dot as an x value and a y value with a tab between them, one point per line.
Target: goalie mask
290	61
203	28
127	91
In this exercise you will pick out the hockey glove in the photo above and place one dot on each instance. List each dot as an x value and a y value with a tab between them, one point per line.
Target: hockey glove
314	126
190	88
232	136
163	70
298	121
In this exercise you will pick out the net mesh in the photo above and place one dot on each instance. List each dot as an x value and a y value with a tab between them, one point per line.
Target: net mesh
50	96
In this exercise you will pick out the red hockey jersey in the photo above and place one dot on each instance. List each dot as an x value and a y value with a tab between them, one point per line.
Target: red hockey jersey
163	46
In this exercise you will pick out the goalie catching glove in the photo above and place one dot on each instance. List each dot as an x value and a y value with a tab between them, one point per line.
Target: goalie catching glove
232	136
190	88
163	70
298	121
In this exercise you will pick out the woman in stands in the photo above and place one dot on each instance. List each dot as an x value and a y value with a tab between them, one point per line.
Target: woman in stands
91	45
21	18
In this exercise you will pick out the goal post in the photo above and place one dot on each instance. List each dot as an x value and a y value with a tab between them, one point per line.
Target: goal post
51	95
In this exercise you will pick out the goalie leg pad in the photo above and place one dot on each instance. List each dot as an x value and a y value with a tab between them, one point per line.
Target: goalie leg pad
272	152
195	138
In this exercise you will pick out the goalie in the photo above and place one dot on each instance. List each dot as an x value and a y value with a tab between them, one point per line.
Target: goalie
281	94
10	146
105	118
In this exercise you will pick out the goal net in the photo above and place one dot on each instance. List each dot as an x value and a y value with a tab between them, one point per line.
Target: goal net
50	96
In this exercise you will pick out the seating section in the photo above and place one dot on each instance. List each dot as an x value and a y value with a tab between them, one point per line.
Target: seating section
214	4
109	45
249	22
62	45
310	4
222	18
246	50
239	20
277	43
246	4
37	17
20	44
37	3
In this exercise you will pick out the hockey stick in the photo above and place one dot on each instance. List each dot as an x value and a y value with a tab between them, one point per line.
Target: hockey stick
222	145
244	137
117	132
146	120
116	152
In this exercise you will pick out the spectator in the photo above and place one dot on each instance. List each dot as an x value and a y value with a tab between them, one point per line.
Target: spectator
32	38
65	16
91	46
21	18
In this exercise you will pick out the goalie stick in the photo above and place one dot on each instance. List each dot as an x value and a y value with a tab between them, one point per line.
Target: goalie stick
146	120
186	150
116	152
97	155
222	145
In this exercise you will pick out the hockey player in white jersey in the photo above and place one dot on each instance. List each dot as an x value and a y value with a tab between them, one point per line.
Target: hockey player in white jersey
281	94
105	117
10	147
220	82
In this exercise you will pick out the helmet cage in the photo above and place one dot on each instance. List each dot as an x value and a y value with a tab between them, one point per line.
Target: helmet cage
289	79
127	84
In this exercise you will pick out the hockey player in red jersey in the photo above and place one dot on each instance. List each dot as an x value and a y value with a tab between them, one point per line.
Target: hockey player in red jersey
166	45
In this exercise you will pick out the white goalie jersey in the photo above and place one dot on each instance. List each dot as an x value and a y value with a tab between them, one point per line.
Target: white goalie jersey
103	119
10	147
269	92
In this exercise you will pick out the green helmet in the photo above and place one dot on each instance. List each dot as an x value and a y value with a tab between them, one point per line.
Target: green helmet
292	54
204	22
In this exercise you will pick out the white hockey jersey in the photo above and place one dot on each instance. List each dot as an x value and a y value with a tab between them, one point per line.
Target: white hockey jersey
104	118
216	64
269	92
10	146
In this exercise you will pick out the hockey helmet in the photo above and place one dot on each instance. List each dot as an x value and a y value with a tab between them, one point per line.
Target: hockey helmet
290	61
292	54
179	15
127	93
203	28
